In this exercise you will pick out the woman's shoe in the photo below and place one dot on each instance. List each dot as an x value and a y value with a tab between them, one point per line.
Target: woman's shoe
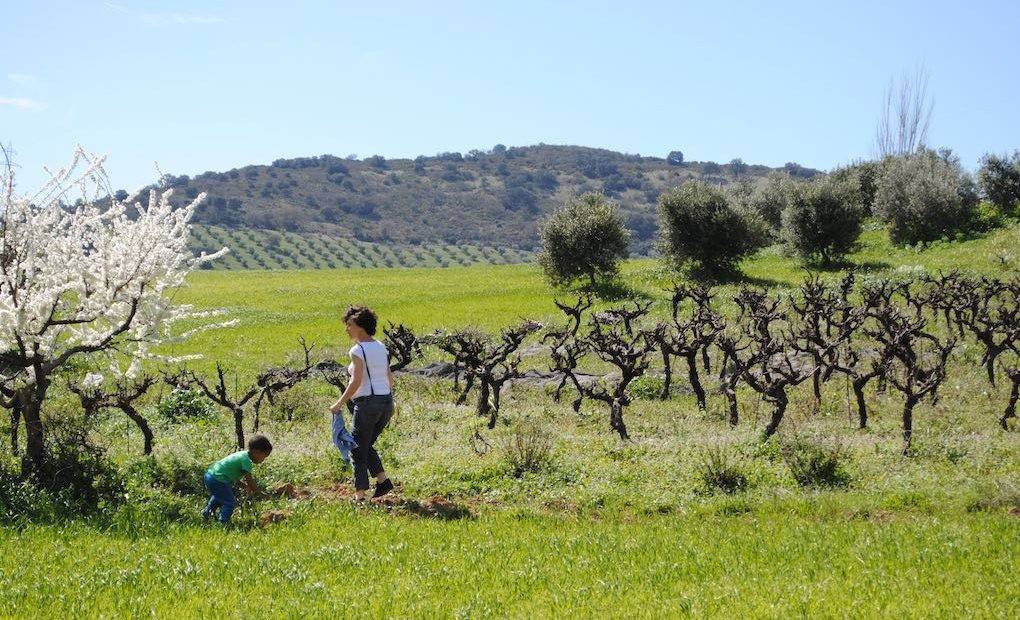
383	488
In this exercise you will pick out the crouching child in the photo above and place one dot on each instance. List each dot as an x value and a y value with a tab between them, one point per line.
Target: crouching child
221	477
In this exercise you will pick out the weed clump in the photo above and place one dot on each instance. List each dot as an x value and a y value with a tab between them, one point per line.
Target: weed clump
718	470
815	463
528	449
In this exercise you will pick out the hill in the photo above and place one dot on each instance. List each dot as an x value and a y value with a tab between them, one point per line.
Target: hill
492	198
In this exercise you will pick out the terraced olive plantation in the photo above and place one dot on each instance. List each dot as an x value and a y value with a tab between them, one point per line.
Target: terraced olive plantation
262	249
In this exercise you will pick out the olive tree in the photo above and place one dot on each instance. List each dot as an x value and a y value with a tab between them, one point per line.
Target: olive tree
768	200
699	226
583	239
999	178
924	196
863	177
822	221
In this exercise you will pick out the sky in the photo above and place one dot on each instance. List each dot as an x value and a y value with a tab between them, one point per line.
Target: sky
215	85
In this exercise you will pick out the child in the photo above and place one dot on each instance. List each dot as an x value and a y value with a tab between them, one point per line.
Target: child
220	478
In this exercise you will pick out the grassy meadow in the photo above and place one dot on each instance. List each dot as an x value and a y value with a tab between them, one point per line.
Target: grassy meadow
602	527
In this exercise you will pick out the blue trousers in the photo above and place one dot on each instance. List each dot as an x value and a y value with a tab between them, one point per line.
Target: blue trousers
221	496
371	415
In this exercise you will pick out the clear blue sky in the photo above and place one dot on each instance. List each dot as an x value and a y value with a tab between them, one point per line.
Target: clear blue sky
214	85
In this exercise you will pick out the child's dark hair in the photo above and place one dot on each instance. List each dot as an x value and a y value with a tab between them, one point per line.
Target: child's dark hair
363	317
260	443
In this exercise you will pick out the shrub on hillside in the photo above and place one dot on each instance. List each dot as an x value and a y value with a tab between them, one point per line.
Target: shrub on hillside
924	196
698	225
583	239
863	177
999	178
822	220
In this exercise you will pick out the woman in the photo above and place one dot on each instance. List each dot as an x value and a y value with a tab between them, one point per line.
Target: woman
371	393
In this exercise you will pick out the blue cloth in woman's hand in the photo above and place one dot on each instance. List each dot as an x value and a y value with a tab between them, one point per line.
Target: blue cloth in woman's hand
342	439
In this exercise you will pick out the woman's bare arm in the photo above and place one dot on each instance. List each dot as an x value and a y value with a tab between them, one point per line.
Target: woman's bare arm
352	389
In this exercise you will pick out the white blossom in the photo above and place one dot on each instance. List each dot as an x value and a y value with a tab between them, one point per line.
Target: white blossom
80	274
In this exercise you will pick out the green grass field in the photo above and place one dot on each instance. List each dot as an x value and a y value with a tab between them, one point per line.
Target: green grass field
604	528
337	561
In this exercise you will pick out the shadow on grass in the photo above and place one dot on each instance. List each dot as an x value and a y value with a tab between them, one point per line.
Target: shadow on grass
733	277
867	266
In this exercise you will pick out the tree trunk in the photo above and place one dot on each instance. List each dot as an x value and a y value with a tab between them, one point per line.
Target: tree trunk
816	387
239	426
143	425
777	415
692	375
668	378
494	409
1010	412
616	419
469	382
862	406
990	368
31	398
559	388
908	423
731	398
15	427
705	360
483	408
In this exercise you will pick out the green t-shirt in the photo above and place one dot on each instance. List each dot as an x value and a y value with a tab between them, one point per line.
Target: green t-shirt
231	468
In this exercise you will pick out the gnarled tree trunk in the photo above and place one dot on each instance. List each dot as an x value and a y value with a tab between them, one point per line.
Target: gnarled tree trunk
779	402
15	427
668	375
142	424
862	406
692	375
616	418
30	398
1014	394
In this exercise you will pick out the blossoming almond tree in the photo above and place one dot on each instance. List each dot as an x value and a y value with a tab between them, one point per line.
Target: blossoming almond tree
82	275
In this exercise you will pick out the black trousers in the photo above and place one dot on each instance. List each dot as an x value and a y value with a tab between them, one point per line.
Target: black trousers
371	415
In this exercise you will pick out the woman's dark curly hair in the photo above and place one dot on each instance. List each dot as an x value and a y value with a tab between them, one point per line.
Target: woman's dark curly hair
363	317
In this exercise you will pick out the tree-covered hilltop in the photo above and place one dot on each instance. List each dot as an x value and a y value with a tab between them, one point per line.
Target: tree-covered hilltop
491	198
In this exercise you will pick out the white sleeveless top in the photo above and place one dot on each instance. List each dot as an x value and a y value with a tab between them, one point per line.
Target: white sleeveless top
377	366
